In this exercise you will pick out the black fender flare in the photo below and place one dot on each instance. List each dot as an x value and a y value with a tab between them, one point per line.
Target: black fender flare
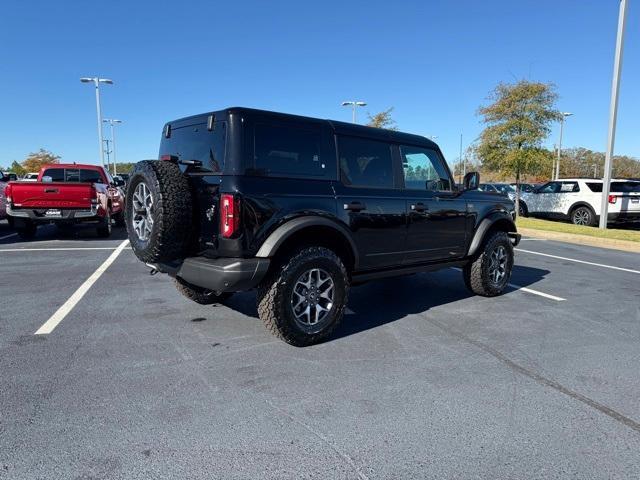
486	224
273	242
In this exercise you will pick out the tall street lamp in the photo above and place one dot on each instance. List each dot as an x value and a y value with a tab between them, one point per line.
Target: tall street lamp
562	117
355	104
112	122
613	115
96	82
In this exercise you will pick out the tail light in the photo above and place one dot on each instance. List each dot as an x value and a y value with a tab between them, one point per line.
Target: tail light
613	199
94	200
7	193
229	215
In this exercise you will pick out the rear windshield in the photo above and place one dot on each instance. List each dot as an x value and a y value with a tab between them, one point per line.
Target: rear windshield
197	142
72	175
617	187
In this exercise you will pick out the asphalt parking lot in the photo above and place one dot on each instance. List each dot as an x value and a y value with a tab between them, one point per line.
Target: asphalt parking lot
423	380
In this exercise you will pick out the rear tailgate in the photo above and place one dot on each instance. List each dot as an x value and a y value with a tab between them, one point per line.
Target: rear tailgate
52	195
625	196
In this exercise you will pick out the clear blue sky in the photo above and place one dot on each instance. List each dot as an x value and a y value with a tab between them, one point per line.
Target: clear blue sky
434	61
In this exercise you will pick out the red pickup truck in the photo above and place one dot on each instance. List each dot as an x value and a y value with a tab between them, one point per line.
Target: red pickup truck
66	194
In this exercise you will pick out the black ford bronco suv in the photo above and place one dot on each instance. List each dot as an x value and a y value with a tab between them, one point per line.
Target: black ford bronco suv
302	208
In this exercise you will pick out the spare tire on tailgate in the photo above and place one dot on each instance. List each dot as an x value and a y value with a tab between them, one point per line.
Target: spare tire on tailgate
158	211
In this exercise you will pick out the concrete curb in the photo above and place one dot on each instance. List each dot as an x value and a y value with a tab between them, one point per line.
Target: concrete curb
624	245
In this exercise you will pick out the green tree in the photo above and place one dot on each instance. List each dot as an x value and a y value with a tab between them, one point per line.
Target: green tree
382	120
18	169
518	121
36	160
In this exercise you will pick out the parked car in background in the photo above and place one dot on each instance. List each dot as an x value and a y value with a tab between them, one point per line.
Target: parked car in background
501	188
4	180
526	187
301	208
10	176
30	177
578	200
66	194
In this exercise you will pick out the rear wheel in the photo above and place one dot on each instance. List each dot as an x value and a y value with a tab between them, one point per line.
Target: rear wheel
27	230
583	216
198	294
104	229
489	273
303	301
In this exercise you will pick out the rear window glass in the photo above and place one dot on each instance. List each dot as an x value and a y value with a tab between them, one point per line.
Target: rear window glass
618	187
365	163
285	151
72	175
196	142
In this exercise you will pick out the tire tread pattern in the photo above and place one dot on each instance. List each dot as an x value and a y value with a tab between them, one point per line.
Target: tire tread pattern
475	273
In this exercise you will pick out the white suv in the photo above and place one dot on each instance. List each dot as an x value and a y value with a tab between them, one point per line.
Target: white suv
578	200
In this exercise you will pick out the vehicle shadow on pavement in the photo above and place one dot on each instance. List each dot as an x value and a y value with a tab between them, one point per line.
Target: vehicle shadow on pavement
384	301
389	300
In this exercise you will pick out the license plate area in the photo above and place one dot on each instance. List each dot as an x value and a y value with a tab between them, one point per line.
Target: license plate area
53	213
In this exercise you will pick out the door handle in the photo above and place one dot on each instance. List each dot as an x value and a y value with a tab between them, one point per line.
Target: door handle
355	206
418	207
51	190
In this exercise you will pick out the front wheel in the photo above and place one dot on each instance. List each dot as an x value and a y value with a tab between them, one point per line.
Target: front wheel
489	273
303	301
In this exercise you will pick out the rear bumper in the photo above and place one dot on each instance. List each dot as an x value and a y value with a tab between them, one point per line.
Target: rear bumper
66	215
219	274
623	217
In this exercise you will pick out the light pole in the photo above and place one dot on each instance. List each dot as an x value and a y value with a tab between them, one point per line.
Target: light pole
355	104
613	114
563	115
112	122
97	81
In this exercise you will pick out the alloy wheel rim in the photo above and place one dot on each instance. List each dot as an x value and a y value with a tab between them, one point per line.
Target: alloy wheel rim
312	298
581	217
142	211
498	265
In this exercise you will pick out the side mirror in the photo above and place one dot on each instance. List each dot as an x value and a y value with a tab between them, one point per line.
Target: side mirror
47	179
471	181
118	182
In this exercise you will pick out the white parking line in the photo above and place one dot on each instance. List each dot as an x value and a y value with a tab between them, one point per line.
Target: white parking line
579	261
536	292
8	236
54	249
48	326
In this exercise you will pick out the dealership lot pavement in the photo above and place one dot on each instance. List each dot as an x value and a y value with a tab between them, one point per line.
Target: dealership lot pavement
422	380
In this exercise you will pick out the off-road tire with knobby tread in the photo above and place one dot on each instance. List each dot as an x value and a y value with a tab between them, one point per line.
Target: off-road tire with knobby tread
172	211
198	294
274	295
476	272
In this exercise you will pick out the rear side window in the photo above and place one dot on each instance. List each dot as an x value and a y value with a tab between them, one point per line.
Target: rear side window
197	142
287	151
365	163
569	187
